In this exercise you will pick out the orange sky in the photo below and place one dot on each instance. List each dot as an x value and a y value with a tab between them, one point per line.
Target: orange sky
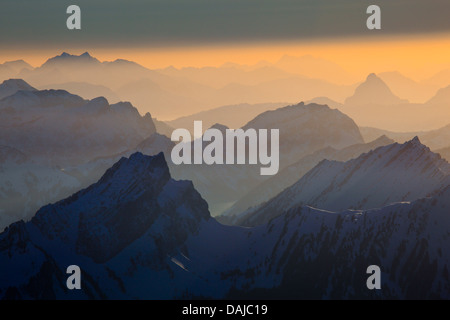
418	57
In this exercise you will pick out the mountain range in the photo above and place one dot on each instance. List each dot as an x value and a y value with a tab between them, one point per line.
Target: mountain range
65	129
137	233
86	179
374	105
291	174
303	129
392	173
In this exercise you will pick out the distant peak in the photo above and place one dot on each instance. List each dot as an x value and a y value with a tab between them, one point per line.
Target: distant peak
415	140
373	78
67	57
374	91
12	86
17	82
219	126
383	139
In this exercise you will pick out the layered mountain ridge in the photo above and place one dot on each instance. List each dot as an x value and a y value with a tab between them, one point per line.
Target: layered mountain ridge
137	233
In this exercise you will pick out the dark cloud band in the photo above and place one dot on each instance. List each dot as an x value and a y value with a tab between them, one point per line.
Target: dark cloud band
157	22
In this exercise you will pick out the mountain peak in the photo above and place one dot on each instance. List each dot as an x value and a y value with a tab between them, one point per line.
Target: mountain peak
69	58
17	83
136	196
222	128
373	91
415	141
12	86
372	77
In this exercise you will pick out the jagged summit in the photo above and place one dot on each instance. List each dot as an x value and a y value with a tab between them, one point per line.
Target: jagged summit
388	174
69	58
373	91
136	196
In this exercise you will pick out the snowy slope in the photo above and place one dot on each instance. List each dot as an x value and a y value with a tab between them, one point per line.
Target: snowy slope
288	176
397	172
137	233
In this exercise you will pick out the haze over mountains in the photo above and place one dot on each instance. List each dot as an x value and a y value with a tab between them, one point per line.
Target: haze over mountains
303	129
364	179
171	93
63	128
291	174
160	252
393	173
374	105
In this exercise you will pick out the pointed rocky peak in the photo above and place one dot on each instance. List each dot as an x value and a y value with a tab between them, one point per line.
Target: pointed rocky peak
135	197
137	168
382	140
374	91
222	128
415	141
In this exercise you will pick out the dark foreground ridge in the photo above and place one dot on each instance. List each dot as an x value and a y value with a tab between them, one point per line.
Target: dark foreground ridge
137	233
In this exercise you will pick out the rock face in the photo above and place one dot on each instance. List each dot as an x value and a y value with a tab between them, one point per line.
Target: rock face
393	173
137	233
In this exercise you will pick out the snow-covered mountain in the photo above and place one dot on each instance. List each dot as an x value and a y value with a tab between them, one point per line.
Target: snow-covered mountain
392	173
373	91
291	174
64	129
137	233
26	184
11	86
